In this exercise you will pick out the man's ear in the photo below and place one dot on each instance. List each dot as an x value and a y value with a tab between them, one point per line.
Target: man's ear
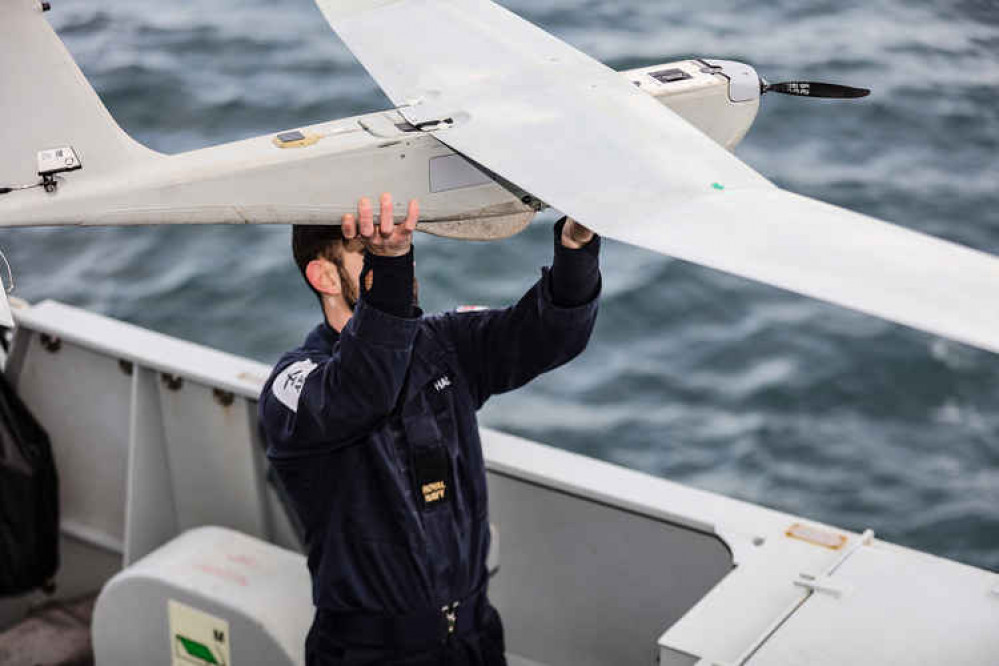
323	277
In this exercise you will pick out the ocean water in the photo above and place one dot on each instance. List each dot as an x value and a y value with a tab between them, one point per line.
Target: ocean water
691	375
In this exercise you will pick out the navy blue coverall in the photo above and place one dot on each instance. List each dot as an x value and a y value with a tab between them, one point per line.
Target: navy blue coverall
373	434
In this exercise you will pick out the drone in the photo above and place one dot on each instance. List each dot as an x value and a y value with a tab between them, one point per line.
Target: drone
494	120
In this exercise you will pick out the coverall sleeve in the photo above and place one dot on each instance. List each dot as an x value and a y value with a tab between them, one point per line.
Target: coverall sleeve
501	350
330	400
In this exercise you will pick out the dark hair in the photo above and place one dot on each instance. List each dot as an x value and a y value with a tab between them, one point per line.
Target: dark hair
310	242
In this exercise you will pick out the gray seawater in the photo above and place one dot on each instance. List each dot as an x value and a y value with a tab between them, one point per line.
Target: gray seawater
692	375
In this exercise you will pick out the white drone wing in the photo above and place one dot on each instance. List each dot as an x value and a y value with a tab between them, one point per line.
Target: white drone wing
572	132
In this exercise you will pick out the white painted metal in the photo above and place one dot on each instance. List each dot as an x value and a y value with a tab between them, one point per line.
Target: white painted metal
742	605
89	429
900	606
590	573
46	101
505	85
744	81
607	155
211	460
150	506
262	592
255	182
914	610
829	253
587	546
703	100
144	348
512	88
147	460
93	537
811	584
701	556
821	584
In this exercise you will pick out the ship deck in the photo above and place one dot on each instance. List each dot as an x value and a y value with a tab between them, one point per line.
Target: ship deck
155	437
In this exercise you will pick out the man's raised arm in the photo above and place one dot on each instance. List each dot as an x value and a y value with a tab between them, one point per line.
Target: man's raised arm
501	350
329	395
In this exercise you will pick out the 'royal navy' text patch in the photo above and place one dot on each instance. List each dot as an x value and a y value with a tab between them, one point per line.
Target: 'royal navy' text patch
288	385
433	474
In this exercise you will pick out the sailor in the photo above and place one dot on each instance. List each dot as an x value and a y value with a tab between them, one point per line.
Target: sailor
372	431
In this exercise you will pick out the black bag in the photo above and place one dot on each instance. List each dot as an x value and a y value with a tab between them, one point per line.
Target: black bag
29	499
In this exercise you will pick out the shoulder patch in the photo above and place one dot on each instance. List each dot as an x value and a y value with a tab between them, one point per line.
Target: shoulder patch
471	308
288	385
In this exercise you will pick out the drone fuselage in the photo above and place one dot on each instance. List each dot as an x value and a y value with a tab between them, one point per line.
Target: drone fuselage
307	175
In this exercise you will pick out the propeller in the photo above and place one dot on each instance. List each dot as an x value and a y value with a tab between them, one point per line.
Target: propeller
813	89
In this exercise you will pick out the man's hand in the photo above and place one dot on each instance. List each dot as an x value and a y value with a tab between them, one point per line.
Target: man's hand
575	235
386	238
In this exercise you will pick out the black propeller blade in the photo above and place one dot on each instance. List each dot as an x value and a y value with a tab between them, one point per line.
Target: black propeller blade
814	89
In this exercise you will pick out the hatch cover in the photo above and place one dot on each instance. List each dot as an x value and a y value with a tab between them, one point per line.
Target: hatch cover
884	602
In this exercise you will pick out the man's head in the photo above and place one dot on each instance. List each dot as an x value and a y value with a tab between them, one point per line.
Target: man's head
330	265
331	258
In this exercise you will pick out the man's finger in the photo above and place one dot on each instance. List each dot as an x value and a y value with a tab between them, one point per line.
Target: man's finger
575	235
387	214
412	215
366	216
348	226
577	230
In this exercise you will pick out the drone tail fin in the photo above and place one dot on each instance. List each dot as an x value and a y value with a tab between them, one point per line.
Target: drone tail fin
46	102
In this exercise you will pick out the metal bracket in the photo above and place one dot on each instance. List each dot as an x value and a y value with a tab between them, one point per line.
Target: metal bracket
812	584
172	382
51	343
823	584
865	540
224	398
434	125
